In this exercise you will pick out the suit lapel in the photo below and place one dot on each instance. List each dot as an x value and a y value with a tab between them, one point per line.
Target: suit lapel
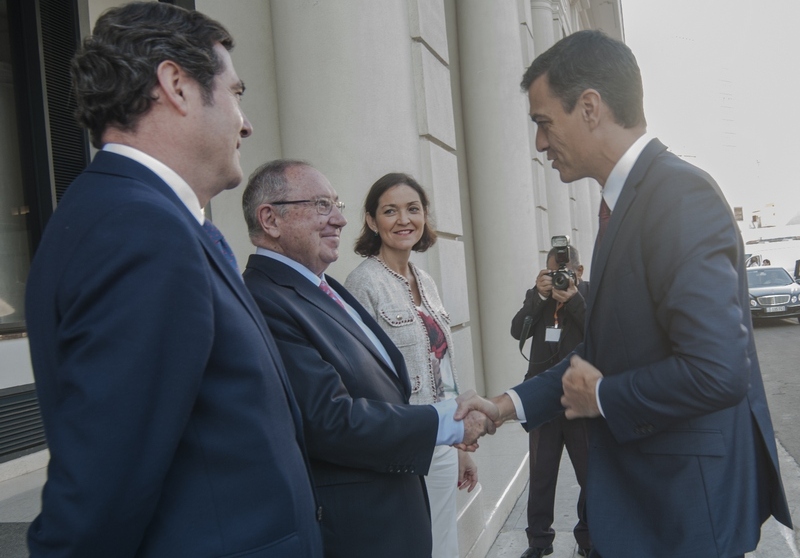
287	277
118	165
391	349
626	198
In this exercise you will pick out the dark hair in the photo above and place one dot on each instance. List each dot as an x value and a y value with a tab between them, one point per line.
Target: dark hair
592	60
114	72
369	243
574	256
267	183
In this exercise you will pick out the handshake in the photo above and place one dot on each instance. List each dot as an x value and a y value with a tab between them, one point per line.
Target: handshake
481	416
484	416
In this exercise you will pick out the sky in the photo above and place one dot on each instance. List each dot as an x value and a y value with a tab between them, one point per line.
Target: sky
722	90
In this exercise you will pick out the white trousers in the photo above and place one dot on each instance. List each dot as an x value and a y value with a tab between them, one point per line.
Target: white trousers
442	484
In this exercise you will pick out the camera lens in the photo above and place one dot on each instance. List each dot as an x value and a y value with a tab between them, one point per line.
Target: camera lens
561	280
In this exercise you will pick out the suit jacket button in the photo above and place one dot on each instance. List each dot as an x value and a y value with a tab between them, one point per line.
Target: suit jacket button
319	513
391	469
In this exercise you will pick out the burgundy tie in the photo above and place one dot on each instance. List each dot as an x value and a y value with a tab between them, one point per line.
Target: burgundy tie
328	291
605	217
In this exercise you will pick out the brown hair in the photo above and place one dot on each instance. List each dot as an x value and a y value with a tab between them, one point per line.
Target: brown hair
369	242
114	72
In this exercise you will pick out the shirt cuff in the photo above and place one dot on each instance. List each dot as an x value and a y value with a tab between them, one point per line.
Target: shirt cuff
451	431
517	405
597	397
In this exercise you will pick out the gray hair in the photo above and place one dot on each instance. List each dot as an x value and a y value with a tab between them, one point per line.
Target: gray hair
268	183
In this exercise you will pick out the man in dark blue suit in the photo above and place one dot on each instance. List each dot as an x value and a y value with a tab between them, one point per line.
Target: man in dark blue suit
682	457
368	447
172	428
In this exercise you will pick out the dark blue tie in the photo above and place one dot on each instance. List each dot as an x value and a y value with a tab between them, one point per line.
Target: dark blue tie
216	237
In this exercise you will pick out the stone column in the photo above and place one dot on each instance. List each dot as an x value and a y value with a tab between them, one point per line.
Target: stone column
542	25
585	219
501	182
363	90
558	199
346	97
250	24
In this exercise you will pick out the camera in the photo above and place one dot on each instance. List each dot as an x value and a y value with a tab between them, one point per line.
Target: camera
562	275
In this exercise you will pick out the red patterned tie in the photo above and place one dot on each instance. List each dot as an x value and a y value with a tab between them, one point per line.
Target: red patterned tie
328	291
605	217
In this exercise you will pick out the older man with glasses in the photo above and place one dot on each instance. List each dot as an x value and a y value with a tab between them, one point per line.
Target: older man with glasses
368	447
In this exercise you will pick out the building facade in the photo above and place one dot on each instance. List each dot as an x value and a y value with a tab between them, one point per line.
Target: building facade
358	88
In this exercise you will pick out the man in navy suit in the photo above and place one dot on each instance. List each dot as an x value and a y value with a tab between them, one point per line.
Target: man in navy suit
172	428
368	447
682	457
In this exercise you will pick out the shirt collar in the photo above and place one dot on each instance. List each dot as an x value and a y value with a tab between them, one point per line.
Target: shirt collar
172	178
297	266
619	174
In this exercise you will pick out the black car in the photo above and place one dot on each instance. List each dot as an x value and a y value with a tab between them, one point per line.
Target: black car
773	293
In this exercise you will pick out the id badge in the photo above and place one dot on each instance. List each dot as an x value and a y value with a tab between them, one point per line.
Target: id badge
552	335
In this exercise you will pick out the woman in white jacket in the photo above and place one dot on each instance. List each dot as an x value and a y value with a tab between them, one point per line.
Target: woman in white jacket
403	299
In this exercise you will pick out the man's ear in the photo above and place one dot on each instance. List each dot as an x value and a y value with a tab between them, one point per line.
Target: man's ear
172	87
579	271
268	219
590	104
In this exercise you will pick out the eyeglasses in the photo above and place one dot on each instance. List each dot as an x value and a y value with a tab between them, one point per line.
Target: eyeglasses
324	205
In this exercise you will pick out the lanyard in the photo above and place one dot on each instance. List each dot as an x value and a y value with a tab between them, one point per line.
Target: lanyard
555	314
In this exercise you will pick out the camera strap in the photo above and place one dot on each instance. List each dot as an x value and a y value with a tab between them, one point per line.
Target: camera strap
526	327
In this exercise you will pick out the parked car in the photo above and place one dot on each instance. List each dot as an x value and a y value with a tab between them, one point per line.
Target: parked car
773	293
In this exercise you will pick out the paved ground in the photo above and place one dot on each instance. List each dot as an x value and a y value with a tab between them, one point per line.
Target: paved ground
511	542
777	541
19	504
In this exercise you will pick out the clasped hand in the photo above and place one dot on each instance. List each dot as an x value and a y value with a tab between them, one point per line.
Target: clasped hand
488	413
478	415
580	385
483	416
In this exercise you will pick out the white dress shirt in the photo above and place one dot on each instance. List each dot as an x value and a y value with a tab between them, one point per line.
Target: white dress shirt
611	191
172	178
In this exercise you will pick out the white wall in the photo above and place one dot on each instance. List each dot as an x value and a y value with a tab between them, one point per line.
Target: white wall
360	88
250	23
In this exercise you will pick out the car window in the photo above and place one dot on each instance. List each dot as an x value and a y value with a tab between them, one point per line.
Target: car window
768	277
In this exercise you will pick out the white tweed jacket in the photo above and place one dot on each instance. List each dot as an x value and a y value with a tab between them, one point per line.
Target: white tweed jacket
387	296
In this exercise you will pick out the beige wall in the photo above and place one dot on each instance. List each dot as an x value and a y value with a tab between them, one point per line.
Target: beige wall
360	88
250	23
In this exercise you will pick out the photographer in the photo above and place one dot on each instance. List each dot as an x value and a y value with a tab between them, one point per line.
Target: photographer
554	318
